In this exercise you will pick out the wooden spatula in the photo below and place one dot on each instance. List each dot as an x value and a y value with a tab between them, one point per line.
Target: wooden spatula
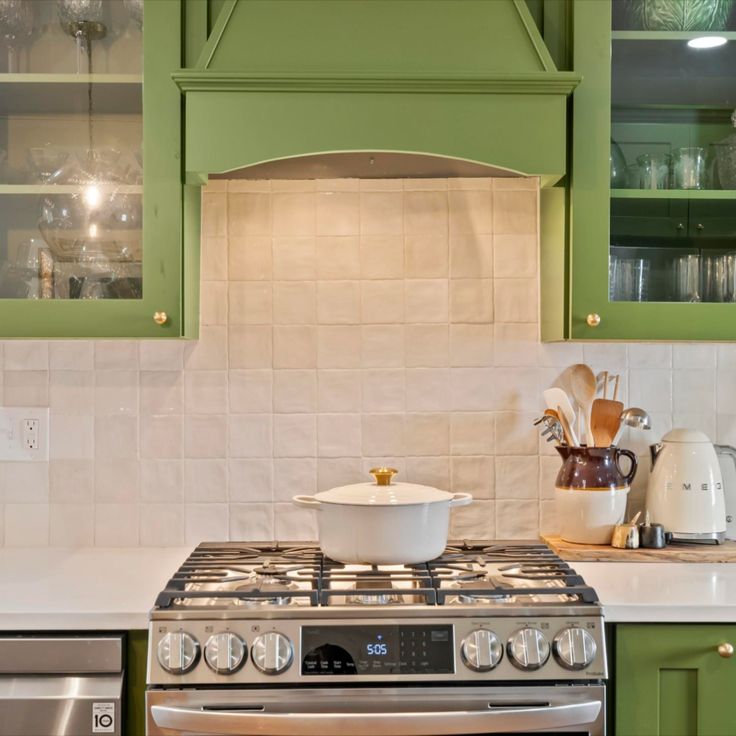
605	419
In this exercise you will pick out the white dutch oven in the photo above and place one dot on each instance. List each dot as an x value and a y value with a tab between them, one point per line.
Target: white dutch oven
383	524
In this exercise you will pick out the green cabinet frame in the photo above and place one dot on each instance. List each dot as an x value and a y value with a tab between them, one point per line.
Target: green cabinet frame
163	257
588	246
671	681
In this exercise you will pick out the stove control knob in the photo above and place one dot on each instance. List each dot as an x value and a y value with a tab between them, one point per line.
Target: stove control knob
481	650
574	648
178	652
225	653
272	653
528	649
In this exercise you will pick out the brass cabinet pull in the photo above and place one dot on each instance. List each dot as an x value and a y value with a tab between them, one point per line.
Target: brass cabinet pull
593	319
700	226
160	318
725	650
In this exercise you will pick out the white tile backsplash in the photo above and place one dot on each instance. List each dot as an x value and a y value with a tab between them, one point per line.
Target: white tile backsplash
345	324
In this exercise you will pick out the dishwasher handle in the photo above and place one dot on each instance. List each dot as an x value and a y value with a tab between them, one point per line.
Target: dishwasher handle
442	723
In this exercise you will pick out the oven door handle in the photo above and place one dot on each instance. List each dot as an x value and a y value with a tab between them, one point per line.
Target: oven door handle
442	723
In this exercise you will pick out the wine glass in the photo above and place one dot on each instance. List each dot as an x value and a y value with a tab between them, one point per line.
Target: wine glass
135	8
82	19
16	23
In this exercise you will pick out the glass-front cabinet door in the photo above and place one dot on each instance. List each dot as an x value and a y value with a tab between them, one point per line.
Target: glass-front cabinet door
78	125
663	90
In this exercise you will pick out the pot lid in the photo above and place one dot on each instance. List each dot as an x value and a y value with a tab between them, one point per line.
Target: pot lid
382	492
686	435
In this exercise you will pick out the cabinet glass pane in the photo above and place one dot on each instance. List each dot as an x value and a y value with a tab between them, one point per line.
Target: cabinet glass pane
71	164
673	151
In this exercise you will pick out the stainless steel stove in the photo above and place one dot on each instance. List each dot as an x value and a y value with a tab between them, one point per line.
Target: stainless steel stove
276	639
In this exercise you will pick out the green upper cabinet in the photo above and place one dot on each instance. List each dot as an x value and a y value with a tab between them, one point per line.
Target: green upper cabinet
653	186
90	169
675	680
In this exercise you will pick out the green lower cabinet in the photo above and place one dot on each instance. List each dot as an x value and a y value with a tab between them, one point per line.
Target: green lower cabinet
671	681
135	689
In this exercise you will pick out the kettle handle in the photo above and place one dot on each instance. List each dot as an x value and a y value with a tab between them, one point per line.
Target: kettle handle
628	477
726	450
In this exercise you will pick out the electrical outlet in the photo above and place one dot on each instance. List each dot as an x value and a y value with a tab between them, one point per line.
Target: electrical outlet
24	434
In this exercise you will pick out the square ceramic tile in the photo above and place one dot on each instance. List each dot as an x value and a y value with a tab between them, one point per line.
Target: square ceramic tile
424	184
294	258
607	356
338	346
116	392
383	434
161	525
515	300
162	481
516	182
427	346
205	521
426	256
469	182
250	346
294	435
426	300
114	355
338	471
521	389
471	255
651	388
295	391
425	212
161	355
71	437
339	435
248	185
71	525
251	435
250	480
26	355
382	302
205	392
693	356
205	435
649	355
116	481
71	481
116	437
427	434
213	258
250	303
694	391
381	213
427	389
294	302
471	211
339	391
205	481
471	345
250	259
116	525
71	355
381	256
515	212
515	256
517	476
250	391
473	389
515	344
476	521
294	213
472	474
27	388
293	185
472	433
214	213
161	391
382	346
338	302
293	476
338	213
337	185
429	471
249	213
161	436
294	523
517	519
26	482
251	521
295	346
26	525
209	353
516	433
337	257
384	390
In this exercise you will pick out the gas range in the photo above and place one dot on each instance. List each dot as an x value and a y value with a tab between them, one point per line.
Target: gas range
508	615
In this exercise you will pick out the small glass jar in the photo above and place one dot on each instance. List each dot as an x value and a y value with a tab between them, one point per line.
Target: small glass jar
688	168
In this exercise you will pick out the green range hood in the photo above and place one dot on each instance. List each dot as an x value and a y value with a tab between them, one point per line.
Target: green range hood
328	88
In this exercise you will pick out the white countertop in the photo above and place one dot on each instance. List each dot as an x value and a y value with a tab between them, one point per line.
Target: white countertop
106	588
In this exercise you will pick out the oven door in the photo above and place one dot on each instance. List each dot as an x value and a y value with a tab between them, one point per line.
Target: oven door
410	711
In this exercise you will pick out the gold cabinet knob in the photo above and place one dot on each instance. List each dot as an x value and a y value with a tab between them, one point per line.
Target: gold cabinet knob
160	318
383	475
593	319
725	650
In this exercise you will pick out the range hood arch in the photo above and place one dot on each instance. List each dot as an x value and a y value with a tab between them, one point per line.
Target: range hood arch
458	80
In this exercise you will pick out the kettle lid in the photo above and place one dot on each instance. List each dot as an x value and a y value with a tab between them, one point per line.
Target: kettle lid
686	435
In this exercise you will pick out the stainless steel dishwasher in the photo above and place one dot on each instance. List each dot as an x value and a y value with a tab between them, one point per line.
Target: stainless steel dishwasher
63	685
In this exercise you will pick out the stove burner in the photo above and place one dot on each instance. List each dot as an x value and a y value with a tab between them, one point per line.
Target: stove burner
372	593
266	579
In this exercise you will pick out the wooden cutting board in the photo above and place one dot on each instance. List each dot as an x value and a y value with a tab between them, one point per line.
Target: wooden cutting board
672	553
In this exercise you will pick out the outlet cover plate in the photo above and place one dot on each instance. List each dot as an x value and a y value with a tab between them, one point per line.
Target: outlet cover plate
12	434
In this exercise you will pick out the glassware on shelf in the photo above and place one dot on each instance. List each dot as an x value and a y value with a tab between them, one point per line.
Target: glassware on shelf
16	24
653	172
688	168
135	8
617	160
628	279
686	279
726	158
83	21
678	15
719	277
46	163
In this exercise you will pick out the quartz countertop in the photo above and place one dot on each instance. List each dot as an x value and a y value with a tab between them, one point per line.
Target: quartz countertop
113	589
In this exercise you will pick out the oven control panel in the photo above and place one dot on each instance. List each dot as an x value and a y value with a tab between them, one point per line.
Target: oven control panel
465	649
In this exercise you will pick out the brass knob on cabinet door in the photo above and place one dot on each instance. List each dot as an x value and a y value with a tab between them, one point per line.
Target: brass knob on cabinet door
593	319
725	650
160	318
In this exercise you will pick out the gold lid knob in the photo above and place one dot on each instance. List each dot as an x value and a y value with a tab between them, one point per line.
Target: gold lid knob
725	650
593	319
160	318
383	475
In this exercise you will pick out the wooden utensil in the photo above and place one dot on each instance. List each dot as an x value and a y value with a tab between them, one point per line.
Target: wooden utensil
566	428
583	387
557	399
605	419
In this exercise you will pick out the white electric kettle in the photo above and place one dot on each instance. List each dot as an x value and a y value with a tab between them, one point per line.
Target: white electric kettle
685	491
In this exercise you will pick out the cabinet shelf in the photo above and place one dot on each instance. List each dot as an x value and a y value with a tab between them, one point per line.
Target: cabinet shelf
673	193
34	94
35	189
668	35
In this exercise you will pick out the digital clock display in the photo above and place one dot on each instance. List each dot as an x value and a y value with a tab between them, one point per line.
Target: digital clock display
377	650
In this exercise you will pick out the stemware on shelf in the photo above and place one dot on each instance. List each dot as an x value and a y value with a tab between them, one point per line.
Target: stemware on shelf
688	168
83	20
16	24
686	278
135	8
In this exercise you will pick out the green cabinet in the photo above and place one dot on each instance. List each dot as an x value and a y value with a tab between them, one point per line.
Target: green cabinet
651	251
90	171
671	680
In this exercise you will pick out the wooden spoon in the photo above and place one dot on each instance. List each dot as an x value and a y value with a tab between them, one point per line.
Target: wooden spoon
605	419
569	434
583	387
